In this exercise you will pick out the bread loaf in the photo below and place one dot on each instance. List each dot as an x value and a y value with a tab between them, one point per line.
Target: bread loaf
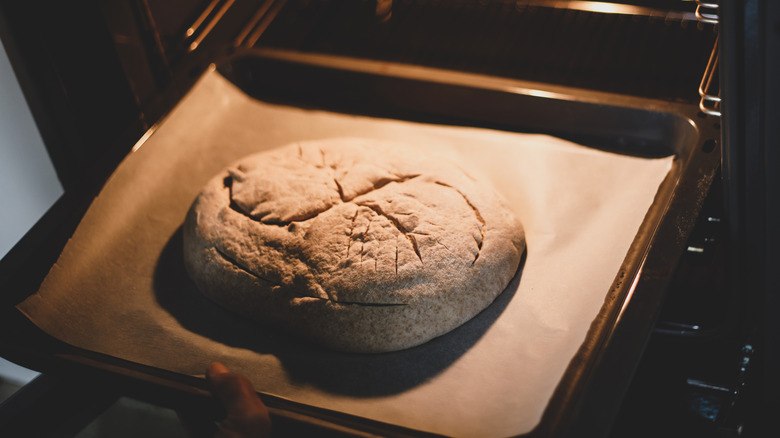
356	245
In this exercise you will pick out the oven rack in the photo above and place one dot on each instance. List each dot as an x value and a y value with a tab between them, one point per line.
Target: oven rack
707	12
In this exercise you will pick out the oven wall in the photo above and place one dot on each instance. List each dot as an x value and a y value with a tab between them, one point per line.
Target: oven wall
750	70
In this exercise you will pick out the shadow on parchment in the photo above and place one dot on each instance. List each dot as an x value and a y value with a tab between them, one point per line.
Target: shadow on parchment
357	375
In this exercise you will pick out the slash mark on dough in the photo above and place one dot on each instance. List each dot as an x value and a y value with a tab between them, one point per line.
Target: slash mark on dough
340	189
409	236
381	183
476	213
240	266
363	240
357	303
396	256
351	229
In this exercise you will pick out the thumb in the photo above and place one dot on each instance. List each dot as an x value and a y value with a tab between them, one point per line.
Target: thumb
243	406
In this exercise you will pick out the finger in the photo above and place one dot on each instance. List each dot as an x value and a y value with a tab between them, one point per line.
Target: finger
217	368
242	404
233	390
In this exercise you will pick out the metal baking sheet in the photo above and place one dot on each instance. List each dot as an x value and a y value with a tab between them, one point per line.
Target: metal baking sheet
119	287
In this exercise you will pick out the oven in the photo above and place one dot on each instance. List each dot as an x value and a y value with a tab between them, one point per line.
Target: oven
683	339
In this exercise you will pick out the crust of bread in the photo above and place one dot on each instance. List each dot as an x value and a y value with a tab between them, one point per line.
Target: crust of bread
354	244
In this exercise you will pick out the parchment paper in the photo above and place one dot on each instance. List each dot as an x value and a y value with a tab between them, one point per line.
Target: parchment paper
119	287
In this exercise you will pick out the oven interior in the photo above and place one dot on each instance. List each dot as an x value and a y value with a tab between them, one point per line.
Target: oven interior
113	70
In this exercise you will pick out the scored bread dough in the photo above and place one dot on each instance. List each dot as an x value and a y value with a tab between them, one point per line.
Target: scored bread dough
357	245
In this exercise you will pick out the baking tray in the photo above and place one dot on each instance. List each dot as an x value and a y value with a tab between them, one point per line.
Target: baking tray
588	396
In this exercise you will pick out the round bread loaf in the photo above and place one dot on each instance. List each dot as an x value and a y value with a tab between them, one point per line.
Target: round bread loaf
357	245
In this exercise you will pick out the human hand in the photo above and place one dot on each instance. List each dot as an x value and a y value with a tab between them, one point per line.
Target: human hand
247	416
